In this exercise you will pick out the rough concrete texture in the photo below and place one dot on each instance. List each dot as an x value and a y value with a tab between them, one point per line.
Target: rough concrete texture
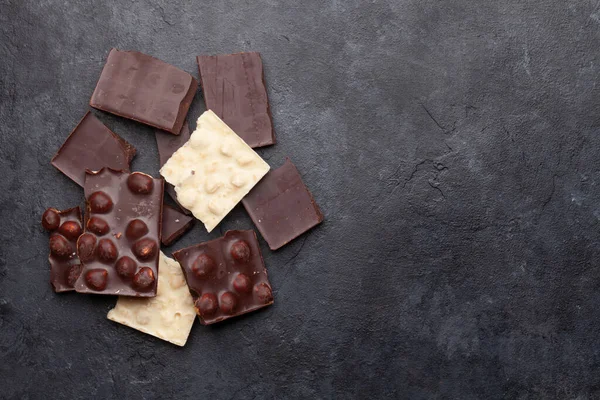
453	147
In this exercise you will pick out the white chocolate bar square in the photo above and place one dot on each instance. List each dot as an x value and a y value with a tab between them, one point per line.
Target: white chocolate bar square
168	316
213	170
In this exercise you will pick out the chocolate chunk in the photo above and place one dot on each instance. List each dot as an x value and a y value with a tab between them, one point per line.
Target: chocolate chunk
174	224
222	284
281	206
145	89
120	248
65	228
234	89
92	146
167	145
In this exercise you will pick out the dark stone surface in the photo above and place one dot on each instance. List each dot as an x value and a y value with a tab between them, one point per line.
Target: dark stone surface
453	147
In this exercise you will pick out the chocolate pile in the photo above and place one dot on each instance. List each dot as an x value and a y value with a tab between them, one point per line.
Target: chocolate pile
115	248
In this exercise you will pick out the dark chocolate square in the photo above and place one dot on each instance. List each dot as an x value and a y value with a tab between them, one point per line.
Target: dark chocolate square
120	248
174	224
281	206
143	88
226	276
91	145
234	89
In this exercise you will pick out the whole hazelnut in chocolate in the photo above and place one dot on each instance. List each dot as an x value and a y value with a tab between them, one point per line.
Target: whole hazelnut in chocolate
107	251
60	247
242	283
240	251
126	267
98	226
97	278
145	249
263	292
228	302
100	202
203	266
70	229
136	229
144	278
140	183
86	244
207	304
50	219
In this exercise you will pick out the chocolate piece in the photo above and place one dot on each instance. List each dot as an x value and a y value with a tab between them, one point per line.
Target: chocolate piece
167	145
174	224
234	89
213	170
91	145
119	249
145	89
281	206
65	228
168	316
226	276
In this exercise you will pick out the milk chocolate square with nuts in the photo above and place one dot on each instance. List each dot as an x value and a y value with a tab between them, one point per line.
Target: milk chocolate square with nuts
65	229
226	276
120	247
168	316
213	170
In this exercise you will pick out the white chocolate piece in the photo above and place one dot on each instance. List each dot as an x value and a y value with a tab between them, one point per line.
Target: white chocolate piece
213	171
168	316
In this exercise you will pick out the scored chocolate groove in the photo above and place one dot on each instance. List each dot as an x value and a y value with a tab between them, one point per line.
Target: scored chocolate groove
120	247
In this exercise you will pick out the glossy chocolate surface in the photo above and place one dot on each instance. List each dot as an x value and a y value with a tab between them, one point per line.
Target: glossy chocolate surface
174	224
226	276
120	247
91	145
281	206
234	89
143	88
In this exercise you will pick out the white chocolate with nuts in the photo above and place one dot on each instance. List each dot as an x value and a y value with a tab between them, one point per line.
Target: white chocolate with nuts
168	316
213	170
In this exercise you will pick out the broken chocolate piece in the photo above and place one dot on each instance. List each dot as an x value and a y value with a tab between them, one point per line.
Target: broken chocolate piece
234	89
174	224
167	145
213	170
119	249
281	206
226	276
143	88
65	228
91	145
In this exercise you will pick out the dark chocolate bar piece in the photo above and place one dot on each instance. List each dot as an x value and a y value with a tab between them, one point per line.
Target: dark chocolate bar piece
167	145
234	89
121	244
281	206
143	88
174	224
226	276
91	145
65	228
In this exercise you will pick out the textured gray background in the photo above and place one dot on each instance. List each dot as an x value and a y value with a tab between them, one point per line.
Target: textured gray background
452	145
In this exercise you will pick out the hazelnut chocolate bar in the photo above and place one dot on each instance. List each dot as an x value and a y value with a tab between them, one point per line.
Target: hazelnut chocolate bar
120	247
65	228
143	88
234	88
91	145
226	276
168	316
213	170
281	206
